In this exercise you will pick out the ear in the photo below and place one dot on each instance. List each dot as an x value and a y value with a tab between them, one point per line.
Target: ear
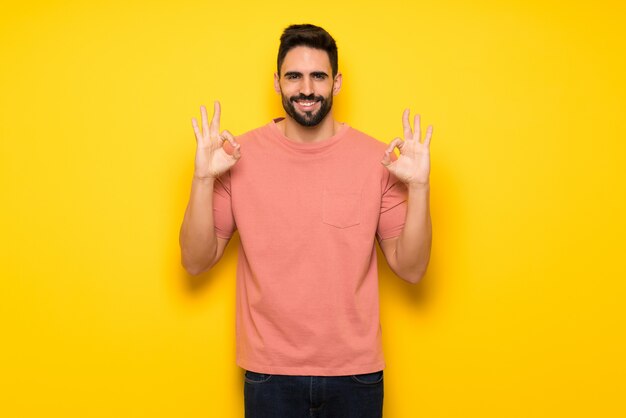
277	83
337	84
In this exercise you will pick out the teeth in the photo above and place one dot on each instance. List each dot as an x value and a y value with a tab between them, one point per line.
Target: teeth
307	104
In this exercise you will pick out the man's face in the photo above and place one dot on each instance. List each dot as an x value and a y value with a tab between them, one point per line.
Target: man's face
306	85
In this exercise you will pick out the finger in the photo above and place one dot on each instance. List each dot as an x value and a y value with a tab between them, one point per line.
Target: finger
408	134
205	120
196	129
233	143
429	133
417	127
237	152
214	129
395	143
230	138
386	161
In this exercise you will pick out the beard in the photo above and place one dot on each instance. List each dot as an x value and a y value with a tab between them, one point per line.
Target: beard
312	118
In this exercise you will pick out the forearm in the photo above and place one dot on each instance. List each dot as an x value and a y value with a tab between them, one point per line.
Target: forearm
413	246
198	241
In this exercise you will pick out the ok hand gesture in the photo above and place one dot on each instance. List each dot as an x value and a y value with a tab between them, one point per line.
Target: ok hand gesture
212	160
413	165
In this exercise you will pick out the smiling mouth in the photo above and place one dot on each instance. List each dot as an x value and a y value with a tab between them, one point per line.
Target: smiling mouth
306	103
306	98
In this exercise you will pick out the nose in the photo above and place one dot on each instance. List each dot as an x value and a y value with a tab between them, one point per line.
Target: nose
306	87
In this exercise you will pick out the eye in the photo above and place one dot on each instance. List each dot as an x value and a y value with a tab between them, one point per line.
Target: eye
291	76
319	76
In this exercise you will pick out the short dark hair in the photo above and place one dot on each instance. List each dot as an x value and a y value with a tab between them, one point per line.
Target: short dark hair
311	36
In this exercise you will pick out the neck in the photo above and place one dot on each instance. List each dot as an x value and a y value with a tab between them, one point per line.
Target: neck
298	133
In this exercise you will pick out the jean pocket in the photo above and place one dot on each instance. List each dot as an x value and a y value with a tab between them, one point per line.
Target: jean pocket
368	378
341	208
254	377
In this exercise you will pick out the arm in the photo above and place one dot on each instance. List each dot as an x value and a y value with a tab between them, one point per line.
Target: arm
408	254
200	246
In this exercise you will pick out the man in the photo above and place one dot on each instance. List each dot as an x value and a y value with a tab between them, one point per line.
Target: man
309	197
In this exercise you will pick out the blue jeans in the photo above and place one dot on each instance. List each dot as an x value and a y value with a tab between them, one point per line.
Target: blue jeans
282	396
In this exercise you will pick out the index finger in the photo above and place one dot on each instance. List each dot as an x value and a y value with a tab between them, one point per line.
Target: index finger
214	129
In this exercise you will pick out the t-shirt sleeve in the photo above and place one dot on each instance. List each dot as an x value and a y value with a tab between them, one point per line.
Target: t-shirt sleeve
392	208
222	208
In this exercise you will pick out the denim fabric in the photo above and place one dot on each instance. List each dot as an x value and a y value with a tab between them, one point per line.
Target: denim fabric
281	396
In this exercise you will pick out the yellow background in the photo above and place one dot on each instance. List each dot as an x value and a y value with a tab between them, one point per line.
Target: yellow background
521	312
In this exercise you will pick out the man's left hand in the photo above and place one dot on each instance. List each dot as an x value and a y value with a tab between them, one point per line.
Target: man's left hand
413	165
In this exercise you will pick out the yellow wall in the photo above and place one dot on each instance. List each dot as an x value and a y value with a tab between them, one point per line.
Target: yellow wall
521	312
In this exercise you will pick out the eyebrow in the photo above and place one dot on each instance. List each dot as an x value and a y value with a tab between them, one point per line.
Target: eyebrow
314	73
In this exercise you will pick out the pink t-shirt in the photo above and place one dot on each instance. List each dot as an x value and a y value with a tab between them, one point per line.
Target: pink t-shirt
307	280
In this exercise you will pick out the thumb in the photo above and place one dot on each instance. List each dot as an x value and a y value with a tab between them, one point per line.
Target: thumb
233	148
386	161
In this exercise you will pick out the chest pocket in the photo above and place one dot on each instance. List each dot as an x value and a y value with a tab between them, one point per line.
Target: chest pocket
341	208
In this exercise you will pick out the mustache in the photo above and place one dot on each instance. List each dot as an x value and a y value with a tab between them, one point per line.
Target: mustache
310	97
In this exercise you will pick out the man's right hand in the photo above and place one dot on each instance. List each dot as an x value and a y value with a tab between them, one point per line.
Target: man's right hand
212	160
